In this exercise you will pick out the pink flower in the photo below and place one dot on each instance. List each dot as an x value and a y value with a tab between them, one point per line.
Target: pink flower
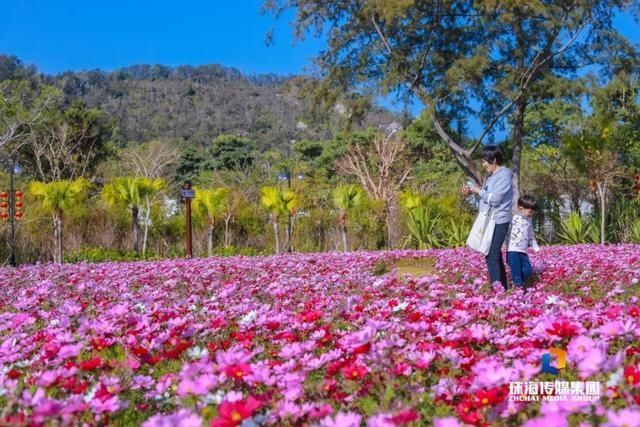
198	386
446	422
108	405
180	418
68	351
623	418
555	420
342	419
231	414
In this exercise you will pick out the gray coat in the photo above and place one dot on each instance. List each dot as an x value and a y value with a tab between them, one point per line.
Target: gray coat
497	193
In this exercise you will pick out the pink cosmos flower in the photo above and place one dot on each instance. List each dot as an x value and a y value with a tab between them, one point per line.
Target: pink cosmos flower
446	422
342	419
99	406
623	418
180	418
555	420
198	386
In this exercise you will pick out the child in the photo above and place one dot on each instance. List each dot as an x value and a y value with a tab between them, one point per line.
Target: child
520	239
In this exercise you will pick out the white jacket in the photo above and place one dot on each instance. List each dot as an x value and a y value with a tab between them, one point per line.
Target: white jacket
521	235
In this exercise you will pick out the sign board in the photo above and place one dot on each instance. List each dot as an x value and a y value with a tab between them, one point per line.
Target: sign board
187	194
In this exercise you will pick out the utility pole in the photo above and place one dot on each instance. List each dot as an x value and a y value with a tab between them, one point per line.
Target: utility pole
187	194
12	212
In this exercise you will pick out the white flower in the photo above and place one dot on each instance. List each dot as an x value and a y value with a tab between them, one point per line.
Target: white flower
92	392
197	352
213	398
614	378
551	300
249	317
400	306
141	307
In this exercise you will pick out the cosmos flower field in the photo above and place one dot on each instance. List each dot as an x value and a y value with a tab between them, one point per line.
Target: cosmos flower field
318	339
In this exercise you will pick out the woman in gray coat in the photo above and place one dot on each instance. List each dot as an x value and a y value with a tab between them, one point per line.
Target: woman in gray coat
496	194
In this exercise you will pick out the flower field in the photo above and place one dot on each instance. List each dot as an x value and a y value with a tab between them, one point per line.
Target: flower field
318	339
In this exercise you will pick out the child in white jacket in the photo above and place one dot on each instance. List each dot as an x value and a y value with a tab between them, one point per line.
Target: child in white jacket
521	238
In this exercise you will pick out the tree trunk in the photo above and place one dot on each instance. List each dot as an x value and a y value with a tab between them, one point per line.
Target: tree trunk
136	229
57	229
227	218
342	223
276	232
210	238
602	193
345	242
462	156
516	158
145	236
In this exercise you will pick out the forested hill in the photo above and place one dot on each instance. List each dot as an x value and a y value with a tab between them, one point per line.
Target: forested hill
200	103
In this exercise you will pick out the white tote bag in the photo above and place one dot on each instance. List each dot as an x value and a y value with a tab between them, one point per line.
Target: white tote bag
482	232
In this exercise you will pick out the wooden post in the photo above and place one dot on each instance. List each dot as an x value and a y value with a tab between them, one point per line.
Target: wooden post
187	194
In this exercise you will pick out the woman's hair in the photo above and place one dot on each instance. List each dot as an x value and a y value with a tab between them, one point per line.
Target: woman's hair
492	154
528	202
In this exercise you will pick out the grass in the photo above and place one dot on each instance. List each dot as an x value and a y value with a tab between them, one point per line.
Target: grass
414	267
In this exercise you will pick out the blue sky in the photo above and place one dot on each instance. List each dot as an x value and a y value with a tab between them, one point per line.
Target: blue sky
79	34
56	35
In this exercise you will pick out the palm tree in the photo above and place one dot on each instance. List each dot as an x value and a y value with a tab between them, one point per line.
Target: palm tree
346	198
56	197
278	202
132	192
211	202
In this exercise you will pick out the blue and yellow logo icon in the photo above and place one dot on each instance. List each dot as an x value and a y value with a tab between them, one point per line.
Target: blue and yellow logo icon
561	360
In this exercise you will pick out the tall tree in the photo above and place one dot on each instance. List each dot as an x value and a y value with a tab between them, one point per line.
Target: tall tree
462	58
19	114
57	197
212	203
278	202
67	142
132	192
346	197
382	166
231	152
154	159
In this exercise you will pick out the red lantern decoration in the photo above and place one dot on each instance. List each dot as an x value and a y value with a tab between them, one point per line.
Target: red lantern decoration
4	206
18	211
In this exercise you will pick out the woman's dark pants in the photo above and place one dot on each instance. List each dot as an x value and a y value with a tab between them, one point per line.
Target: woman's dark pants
495	263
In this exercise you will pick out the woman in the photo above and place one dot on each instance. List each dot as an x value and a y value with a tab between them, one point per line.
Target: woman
497	195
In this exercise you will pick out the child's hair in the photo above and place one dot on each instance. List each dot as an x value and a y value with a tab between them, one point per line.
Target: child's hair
528	202
492	154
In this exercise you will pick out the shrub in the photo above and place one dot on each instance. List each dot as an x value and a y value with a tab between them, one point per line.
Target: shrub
101	255
575	229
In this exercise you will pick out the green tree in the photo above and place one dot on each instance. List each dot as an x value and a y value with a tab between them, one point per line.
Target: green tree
190	165
488	59
231	152
67	142
57	197
278	202
211	203
591	150
346	198
132	192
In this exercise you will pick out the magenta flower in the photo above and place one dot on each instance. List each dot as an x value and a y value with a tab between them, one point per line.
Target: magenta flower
180	418
623	418
342	419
